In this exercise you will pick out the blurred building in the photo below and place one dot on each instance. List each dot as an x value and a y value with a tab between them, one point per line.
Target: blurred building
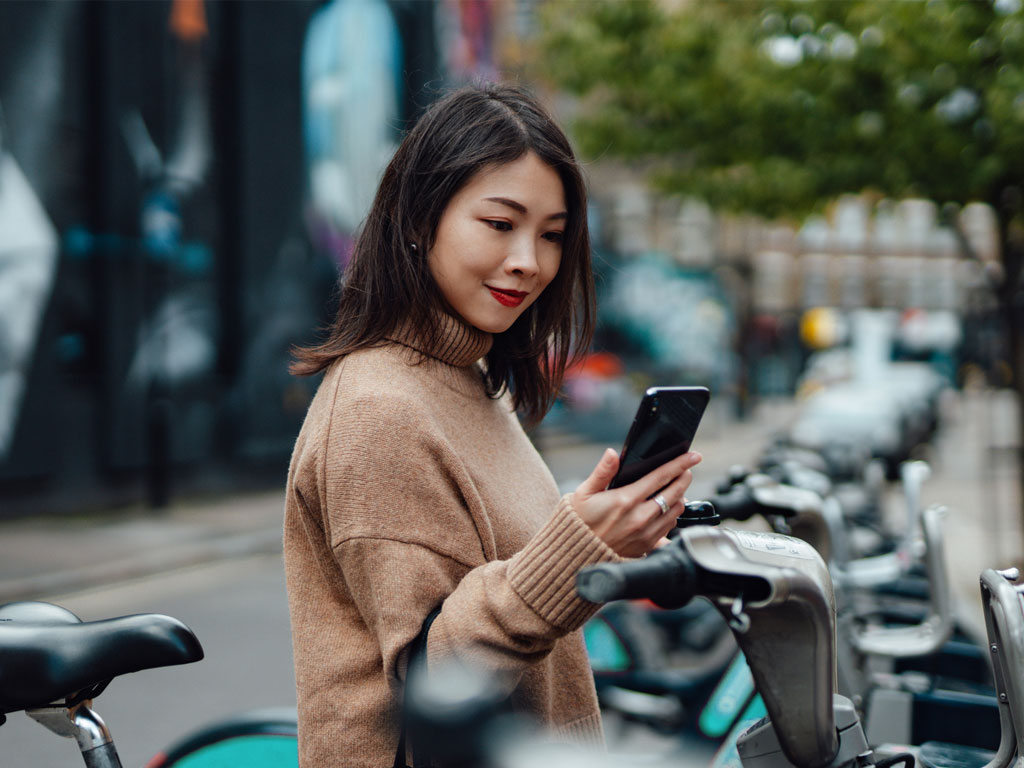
789	286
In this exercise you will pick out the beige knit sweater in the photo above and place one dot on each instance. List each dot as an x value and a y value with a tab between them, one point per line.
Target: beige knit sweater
410	488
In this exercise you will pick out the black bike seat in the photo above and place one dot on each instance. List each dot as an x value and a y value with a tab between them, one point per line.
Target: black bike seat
48	654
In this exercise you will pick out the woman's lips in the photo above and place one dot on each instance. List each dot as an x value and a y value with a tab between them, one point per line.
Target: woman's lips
507	298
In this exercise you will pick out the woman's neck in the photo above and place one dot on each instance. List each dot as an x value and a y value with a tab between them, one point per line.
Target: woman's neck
454	342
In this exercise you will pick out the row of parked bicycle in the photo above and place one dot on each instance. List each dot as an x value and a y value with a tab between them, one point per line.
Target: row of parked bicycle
825	636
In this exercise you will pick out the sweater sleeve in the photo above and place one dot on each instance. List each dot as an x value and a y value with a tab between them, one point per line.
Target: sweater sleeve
405	543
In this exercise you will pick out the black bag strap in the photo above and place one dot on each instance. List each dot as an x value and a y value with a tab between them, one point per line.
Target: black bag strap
417	663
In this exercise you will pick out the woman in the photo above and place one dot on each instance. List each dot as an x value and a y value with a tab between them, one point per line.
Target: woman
412	484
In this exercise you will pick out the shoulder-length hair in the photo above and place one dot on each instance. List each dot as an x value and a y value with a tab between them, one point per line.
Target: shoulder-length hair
388	282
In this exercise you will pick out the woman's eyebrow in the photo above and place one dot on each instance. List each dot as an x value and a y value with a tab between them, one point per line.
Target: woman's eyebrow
517	206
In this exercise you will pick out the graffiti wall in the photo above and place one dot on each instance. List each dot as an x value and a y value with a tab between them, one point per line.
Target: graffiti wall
180	183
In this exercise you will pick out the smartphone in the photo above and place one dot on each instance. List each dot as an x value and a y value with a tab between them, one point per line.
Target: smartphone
664	427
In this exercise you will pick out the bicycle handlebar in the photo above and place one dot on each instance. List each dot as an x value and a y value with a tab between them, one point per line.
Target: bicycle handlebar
759	494
667	577
738	504
778	596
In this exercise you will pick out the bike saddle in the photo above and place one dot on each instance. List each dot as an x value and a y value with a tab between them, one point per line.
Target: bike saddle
48	654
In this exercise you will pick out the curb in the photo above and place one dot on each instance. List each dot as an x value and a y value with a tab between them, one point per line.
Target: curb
267	541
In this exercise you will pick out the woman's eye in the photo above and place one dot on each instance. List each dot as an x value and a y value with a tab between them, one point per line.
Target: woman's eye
498	224
554	237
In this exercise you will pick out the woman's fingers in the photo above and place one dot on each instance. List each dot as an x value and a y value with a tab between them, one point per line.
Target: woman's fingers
602	474
664	475
662	522
674	493
629	519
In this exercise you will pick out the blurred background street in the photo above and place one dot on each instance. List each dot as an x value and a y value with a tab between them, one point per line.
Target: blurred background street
177	198
815	210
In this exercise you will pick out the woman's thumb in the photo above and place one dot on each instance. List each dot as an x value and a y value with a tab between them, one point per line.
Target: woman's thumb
602	474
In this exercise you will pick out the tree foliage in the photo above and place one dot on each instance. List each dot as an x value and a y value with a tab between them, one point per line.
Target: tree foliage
777	106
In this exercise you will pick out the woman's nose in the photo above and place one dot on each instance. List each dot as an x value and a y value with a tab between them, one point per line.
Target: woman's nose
522	259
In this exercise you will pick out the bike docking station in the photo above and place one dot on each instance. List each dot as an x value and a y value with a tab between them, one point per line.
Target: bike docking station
776	594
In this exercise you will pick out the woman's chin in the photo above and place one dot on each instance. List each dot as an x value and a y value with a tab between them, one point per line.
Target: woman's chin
492	324
493	329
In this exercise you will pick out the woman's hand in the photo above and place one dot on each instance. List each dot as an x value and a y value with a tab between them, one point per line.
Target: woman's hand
626	518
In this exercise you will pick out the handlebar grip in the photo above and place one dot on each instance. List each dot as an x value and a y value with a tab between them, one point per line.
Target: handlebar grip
667	577
761	495
737	504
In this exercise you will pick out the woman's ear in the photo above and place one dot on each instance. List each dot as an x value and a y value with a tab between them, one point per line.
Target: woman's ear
417	243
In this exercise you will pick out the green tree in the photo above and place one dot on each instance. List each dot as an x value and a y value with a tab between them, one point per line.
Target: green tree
778	107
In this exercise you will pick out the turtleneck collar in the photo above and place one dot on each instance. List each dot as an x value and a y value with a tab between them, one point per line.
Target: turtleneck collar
458	344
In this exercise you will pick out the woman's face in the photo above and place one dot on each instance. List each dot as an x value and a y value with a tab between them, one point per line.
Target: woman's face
499	242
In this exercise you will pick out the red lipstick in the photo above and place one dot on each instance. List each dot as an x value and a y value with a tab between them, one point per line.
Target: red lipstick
507	298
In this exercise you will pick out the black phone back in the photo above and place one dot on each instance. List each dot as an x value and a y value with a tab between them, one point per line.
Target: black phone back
664	427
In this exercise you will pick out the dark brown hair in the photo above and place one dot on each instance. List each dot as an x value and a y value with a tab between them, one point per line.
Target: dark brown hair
470	129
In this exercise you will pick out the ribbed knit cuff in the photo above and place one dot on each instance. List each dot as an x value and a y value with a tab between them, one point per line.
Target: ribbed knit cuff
543	574
587	730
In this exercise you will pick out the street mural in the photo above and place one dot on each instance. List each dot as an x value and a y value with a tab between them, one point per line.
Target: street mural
28	257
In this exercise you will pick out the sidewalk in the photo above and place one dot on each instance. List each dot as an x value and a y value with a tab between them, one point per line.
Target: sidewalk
975	476
53	555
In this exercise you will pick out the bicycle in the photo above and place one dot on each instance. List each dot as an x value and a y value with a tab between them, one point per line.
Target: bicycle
52	666
894	664
778	596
